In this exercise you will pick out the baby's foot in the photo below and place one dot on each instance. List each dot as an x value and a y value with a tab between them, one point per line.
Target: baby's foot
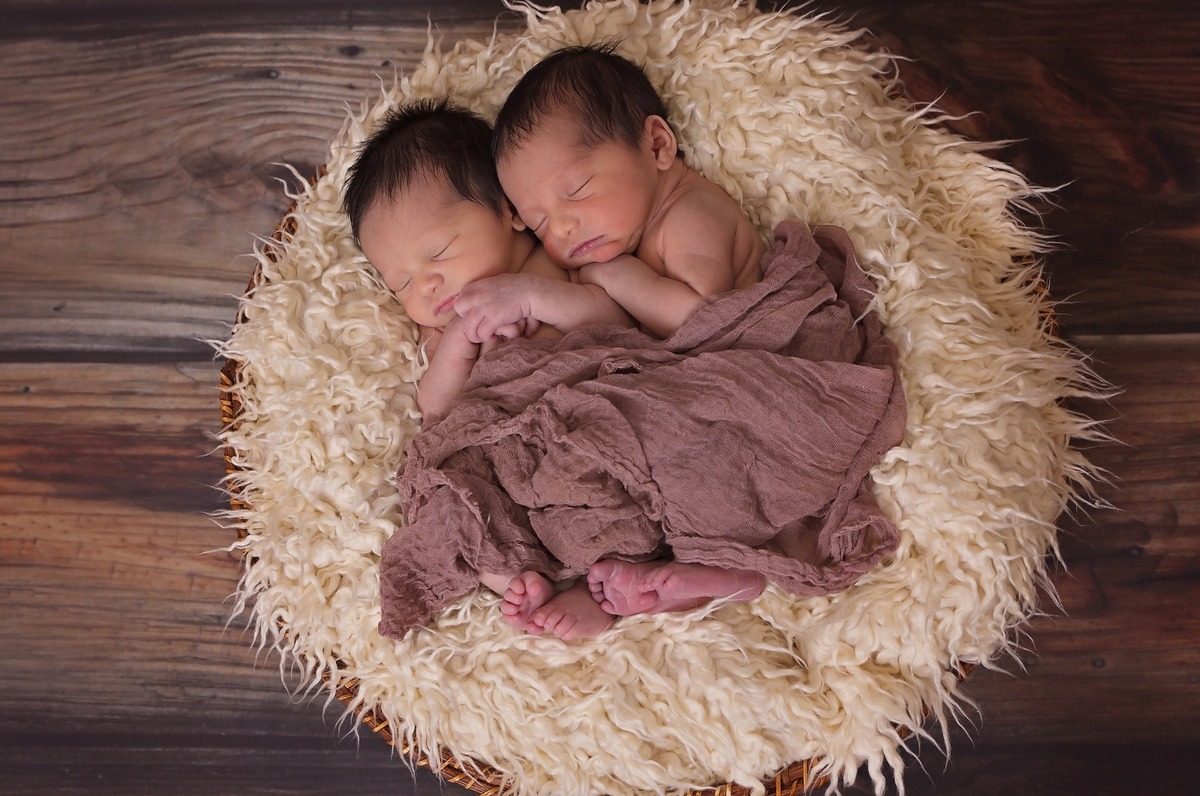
618	586
525	594
573	614
655	587
683	586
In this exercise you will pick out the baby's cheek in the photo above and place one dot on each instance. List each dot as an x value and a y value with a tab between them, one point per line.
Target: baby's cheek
560	257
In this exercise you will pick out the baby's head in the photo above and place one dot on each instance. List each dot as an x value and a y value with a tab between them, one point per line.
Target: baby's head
426	207
579	146
605	95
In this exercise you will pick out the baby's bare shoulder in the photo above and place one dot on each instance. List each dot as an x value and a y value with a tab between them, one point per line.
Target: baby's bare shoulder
701	214
701	201
707	223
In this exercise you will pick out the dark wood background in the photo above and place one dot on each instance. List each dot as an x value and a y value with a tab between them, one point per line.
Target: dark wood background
140	152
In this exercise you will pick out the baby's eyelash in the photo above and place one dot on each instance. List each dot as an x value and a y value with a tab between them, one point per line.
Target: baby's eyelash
575	192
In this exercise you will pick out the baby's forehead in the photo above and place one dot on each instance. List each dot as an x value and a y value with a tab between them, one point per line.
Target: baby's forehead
430	183
557	129
421	204
428	190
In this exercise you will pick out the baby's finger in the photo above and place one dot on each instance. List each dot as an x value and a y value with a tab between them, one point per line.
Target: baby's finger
464	306
508	331
475	331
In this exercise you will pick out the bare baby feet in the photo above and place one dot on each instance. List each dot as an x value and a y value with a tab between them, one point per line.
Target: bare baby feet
525	594
573	614
652	587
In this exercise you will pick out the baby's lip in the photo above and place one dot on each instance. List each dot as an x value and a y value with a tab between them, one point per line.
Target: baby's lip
446	305
585	247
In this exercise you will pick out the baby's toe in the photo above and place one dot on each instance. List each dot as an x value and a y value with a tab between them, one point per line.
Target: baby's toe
563	628
549	618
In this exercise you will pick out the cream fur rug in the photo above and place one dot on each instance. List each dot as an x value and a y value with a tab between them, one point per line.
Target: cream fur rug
797	120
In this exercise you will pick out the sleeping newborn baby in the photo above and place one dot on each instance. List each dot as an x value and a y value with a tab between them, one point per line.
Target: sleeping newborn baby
427	210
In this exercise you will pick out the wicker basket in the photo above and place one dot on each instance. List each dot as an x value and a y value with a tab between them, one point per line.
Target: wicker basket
1061	374
795	778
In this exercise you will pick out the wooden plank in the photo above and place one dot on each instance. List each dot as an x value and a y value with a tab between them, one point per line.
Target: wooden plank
158	151
1103	102
86	19
120	672
138	170
149	766
1059	770
107	575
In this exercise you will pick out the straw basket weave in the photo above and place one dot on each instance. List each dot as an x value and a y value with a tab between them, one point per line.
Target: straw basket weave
795	119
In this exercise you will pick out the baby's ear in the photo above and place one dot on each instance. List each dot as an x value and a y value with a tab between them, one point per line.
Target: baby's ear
515	220
660	138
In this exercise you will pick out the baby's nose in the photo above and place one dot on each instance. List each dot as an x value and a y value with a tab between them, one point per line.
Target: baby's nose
562	225
431	283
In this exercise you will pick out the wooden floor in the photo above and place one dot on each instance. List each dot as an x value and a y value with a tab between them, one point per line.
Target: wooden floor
141	146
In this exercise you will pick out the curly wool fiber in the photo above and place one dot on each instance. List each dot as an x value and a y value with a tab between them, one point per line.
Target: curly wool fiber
796	119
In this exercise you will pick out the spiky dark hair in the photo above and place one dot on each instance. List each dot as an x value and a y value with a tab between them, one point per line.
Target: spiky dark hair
592	83
423	139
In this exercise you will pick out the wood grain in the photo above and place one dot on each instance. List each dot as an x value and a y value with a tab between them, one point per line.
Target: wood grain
123	670
1102	103
109	568
140	159
153	161
154	157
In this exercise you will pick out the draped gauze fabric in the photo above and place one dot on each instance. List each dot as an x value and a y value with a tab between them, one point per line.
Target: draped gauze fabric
744	440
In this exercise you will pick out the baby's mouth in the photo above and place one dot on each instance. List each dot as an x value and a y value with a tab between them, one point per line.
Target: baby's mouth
585	247
446	305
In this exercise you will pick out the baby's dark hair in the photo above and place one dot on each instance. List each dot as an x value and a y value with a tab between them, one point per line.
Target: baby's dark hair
592	83
423	139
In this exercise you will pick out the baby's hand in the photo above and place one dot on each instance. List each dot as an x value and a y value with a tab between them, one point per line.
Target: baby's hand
591	274
453	341
598	273
496	307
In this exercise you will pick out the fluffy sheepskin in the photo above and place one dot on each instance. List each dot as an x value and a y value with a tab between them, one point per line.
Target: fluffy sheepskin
796	119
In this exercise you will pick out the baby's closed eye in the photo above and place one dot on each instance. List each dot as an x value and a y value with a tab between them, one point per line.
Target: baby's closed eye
575	194
444	251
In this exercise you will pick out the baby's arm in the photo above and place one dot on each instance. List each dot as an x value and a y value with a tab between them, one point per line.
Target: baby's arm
659	303
490	304
449	367
695	246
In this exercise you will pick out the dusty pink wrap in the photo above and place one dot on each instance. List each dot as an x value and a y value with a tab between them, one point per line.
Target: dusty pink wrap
743	441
